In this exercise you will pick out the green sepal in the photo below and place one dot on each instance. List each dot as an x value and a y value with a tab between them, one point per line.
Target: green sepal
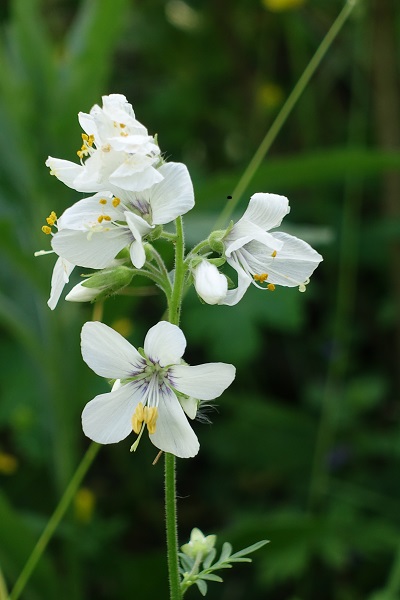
110	279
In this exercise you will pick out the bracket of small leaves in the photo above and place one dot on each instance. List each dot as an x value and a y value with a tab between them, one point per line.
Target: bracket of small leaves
190	567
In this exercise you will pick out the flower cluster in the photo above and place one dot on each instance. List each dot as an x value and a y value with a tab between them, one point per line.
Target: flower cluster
133	194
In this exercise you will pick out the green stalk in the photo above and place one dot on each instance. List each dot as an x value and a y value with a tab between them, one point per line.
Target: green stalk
54	521
174	308
172	528
174	311
284	113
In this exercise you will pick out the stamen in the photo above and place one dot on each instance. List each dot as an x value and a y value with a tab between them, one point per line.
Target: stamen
273	254
46	229
52	218
103	201
271	287
122	125
150	417
302	286
116	202
261	278
107	218
138	418
100	218
106	148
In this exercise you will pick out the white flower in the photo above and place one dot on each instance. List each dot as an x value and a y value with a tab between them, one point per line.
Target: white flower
149	389
199	544
62	269
118	152
261	257
210	284
95	229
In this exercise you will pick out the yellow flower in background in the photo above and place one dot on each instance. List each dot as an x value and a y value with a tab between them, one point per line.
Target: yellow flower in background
84	504
269	95
8	464
124	326
281	5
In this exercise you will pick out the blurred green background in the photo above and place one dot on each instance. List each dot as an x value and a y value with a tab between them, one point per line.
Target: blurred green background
304	449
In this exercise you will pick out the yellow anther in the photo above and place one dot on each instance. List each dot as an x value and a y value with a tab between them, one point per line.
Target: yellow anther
52	218
271	287
91	140
106	148
261	278
85	137
80	153
138	418
122	125
46	229
107	218
103	201
124	134
273	254
116	202
100	219
150	418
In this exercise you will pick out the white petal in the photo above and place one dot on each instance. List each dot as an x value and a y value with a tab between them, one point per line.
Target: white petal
136	174
267	210
142	144
173	196
109	354
165	344
190	406
244	232
173	433
235	295
67	172
138	227
107	419
293	264
85	213
61	272
94	250
203	382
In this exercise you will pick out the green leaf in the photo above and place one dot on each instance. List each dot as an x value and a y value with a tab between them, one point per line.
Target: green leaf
226	552
201	584
250	549
211	577
209	558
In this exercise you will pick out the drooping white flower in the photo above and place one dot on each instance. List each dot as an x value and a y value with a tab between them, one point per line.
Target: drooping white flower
117	152
62	269
149	389
210	284
261	257
95	229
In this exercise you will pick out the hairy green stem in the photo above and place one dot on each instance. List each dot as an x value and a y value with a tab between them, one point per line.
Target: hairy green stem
174	308
284	113
174	311
54	521
172	528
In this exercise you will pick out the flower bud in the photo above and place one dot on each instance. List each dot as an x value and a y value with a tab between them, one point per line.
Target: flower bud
210	284
100	285
81	293
199	544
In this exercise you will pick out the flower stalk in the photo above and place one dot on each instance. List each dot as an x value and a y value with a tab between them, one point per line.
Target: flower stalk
171	519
